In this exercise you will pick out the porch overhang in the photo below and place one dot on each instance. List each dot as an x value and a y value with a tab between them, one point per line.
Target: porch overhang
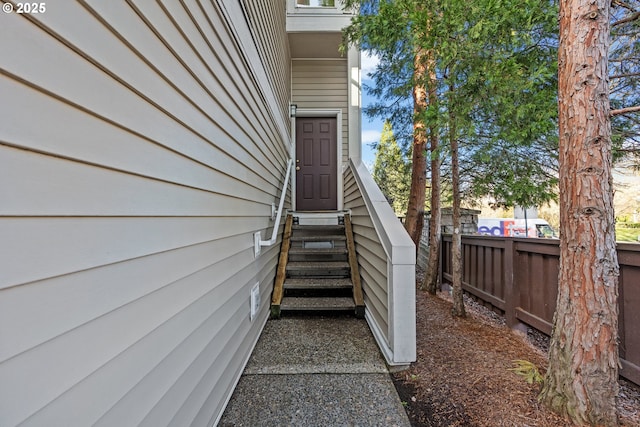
316	32
315	45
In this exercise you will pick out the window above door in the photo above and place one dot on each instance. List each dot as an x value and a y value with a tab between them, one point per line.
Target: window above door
316	3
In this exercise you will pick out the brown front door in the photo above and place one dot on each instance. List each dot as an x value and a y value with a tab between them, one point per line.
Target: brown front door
316	164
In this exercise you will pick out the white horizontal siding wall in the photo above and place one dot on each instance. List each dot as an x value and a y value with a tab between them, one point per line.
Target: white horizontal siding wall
323	84
386	258
269	26
372	259
140	149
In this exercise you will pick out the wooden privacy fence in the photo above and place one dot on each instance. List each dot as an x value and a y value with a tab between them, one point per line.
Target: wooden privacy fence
519	277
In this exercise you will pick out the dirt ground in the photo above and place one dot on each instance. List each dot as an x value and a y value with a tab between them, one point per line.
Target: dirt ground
462	376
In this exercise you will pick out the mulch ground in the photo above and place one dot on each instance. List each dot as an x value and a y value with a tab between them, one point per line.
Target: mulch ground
462	376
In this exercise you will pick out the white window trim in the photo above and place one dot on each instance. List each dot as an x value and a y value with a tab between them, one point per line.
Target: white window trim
293	8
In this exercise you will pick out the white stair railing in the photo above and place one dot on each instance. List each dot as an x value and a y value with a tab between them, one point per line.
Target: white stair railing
283	195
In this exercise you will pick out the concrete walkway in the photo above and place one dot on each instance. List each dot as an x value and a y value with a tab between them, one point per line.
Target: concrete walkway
319	371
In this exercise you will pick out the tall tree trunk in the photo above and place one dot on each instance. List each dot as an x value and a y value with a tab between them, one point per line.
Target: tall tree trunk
433	262
582	379
456	247
415	209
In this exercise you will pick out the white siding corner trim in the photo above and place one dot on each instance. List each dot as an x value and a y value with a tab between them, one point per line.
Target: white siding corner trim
398	339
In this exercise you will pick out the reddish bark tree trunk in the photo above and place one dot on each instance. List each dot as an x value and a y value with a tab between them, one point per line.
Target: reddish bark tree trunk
582	380
430	283
456	245
415	209
433	262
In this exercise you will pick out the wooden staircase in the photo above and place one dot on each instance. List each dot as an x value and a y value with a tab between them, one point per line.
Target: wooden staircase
317	270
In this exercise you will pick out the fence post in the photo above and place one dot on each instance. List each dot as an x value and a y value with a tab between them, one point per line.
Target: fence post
511	290
445	251
440	263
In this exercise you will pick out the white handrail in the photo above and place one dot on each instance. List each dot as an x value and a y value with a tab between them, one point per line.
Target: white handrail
276	225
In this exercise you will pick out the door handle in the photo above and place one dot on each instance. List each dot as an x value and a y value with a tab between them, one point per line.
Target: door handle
297	168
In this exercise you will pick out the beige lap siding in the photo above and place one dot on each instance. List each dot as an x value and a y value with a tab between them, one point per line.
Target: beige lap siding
140	150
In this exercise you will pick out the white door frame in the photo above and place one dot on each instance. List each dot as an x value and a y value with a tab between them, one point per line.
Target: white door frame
314	112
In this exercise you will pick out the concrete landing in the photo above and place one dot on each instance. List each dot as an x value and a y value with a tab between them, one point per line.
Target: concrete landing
315	371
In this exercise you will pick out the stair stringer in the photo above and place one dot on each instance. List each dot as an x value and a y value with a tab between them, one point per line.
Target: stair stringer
281	274
353	266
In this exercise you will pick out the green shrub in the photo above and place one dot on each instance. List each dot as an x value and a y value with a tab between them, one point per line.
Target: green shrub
628	224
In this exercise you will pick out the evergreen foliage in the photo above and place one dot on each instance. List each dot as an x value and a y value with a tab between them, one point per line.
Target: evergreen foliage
624	77
392	170
499	56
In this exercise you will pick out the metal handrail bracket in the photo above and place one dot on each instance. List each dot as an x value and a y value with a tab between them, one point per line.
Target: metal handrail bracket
258	242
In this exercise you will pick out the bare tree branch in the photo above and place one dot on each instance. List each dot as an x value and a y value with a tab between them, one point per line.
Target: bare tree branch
622	76
624	111
631	58
623	4
629	18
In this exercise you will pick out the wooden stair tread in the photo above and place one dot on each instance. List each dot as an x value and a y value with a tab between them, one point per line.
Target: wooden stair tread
318	304
321	228
318	238
318	283
316	251
314	265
